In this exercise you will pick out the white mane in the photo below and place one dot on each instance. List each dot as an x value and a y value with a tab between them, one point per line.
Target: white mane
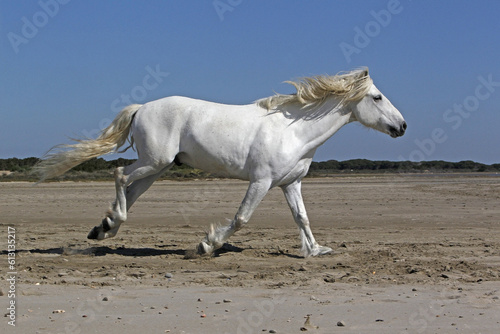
350	86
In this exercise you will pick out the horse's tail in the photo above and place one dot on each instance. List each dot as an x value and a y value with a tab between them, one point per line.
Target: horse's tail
62	158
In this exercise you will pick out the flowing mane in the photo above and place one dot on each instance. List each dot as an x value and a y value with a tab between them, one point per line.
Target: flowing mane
350	86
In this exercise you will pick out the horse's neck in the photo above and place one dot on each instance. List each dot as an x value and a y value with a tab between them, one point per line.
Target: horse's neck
319	124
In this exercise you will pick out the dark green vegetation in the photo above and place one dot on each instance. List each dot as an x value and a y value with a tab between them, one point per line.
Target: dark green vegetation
14	169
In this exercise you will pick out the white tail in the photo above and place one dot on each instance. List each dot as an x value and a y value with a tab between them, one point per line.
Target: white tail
62	158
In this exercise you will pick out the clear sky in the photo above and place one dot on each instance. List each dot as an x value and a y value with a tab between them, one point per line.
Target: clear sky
67	66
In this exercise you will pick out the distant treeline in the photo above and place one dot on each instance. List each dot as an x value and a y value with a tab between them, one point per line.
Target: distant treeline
101	169
363	165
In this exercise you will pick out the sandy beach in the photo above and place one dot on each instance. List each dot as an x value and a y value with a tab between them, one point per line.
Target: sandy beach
412	254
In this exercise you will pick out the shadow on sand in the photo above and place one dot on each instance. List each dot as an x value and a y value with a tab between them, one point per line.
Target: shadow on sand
123	251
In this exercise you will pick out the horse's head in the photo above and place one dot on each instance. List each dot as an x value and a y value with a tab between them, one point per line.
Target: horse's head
374	110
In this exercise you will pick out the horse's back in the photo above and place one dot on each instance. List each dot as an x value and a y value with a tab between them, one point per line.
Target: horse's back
185	116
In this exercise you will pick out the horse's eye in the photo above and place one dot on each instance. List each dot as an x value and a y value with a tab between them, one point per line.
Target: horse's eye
377	98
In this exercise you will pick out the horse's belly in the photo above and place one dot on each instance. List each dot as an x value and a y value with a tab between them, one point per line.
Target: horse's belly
218	165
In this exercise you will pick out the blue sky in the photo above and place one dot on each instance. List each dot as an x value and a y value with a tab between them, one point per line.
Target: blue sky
68	65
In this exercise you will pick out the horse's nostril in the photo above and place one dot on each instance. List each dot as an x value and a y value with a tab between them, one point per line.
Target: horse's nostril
404	126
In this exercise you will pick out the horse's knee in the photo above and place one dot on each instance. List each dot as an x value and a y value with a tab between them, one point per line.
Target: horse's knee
302	218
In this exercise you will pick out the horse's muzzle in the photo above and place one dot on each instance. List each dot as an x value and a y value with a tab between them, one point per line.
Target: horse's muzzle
397	132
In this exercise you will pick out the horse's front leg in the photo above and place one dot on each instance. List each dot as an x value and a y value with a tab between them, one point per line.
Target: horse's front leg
117	214
293	196
218	235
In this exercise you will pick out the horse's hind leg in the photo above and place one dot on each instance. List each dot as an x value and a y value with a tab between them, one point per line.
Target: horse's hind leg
130	183
138	187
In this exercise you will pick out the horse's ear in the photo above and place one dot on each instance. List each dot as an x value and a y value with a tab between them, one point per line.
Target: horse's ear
361	73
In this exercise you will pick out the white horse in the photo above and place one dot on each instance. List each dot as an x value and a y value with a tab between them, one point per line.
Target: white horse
269	143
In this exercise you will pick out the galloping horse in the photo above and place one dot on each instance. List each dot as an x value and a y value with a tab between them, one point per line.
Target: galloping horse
270	143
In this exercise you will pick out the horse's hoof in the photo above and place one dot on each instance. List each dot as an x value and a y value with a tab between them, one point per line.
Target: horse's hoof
204	249
94	233
323	250
319	250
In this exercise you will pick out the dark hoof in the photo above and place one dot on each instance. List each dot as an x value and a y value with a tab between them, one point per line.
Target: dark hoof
201	250
93	233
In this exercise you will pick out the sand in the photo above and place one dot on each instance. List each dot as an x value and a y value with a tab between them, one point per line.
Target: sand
413	254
